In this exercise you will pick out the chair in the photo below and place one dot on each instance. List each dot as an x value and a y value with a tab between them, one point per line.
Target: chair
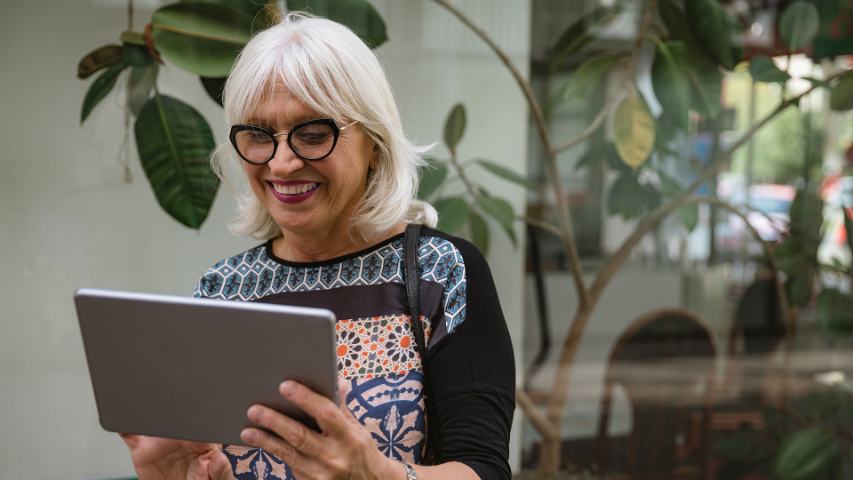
664	362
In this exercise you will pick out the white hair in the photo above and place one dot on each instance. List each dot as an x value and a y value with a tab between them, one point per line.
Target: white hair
327	67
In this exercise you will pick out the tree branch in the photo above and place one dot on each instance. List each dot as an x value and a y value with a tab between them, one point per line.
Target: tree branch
532	413
567	236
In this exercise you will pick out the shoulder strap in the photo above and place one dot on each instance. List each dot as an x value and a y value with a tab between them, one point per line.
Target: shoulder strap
413	280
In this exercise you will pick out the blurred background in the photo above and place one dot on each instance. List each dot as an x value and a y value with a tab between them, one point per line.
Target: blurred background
663	188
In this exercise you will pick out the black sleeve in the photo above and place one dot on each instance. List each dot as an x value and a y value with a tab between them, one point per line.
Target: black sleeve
471	379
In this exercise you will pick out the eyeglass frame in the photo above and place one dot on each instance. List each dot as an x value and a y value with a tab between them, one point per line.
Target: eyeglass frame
242	127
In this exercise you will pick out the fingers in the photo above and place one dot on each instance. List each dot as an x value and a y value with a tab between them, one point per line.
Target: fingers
343	390
293	432
219	467
275	445
323	410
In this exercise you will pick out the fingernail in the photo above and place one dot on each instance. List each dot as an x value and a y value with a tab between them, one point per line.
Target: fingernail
248	435
286	387
254	413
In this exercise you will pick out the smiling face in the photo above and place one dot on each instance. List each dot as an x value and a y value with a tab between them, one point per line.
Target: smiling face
309	198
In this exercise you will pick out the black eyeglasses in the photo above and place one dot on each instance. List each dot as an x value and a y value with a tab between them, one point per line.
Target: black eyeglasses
311	140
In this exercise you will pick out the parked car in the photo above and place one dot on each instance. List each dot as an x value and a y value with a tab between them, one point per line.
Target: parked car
837	195
767	209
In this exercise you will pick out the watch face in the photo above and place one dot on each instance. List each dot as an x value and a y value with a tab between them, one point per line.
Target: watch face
410	472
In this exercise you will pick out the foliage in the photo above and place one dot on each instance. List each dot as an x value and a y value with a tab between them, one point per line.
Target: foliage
203	37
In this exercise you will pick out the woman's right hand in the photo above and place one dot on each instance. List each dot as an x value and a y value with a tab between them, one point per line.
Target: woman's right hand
157	458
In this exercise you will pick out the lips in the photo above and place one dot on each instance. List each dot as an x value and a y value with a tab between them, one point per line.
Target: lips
293	191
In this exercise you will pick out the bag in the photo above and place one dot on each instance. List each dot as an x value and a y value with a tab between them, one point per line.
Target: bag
413	280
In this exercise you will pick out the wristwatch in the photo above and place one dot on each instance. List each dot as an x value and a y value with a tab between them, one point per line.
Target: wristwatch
411	474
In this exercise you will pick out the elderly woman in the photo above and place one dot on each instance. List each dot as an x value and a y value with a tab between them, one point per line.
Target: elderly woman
317	132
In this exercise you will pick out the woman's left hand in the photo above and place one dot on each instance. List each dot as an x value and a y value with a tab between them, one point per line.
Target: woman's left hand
344	450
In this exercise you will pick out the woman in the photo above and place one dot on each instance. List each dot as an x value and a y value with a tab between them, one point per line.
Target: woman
317	132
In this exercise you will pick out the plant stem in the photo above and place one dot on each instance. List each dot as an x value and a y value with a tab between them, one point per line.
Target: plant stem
567	236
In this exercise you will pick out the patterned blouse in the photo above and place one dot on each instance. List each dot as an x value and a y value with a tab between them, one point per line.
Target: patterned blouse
470	364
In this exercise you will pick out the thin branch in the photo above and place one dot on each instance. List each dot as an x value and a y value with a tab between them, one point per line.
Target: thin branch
784	306
588	131
548	227
567	236
539	422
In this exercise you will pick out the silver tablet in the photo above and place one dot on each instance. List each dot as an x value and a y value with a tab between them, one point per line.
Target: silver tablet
190	368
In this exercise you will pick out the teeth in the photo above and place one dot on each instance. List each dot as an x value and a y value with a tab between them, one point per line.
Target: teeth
294	189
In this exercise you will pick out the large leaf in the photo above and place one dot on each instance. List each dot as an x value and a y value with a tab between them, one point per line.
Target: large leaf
203	38
454	126
174	143
579	33
806	215
251	8
630	199
214	87
506	173
452	213
432	175
716	30
841	97
479	232
98	59
706	82
135	55
799	24
142	80
806	454
835	312
589	75
358	15
633	130
670	82
501	211
763	69
99	89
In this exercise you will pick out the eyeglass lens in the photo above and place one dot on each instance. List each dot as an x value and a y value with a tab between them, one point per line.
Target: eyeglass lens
311	141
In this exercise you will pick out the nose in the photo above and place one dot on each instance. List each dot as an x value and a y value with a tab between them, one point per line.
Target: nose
285	161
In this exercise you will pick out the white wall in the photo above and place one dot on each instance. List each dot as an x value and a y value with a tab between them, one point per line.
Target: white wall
68	220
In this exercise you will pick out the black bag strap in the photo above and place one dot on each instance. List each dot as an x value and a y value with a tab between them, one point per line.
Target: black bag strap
413	280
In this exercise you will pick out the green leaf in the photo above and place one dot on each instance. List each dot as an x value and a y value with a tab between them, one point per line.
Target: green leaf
479	232
452	213
432	175
629	199
716	30
806	454
501	211
100	88
174	143
670	82
142	80
799	24
633	131
214	87
454	126
835	312
358	15
579	33
135	55
763	69
98	59
687	213
506	173
250	8
806	215
705	85
841	98
589	75
203	38
848	234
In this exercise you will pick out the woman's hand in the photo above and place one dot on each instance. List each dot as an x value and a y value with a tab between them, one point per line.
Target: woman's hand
167	459
345	449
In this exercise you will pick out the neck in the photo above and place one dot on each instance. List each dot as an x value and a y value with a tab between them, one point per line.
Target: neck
319	246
